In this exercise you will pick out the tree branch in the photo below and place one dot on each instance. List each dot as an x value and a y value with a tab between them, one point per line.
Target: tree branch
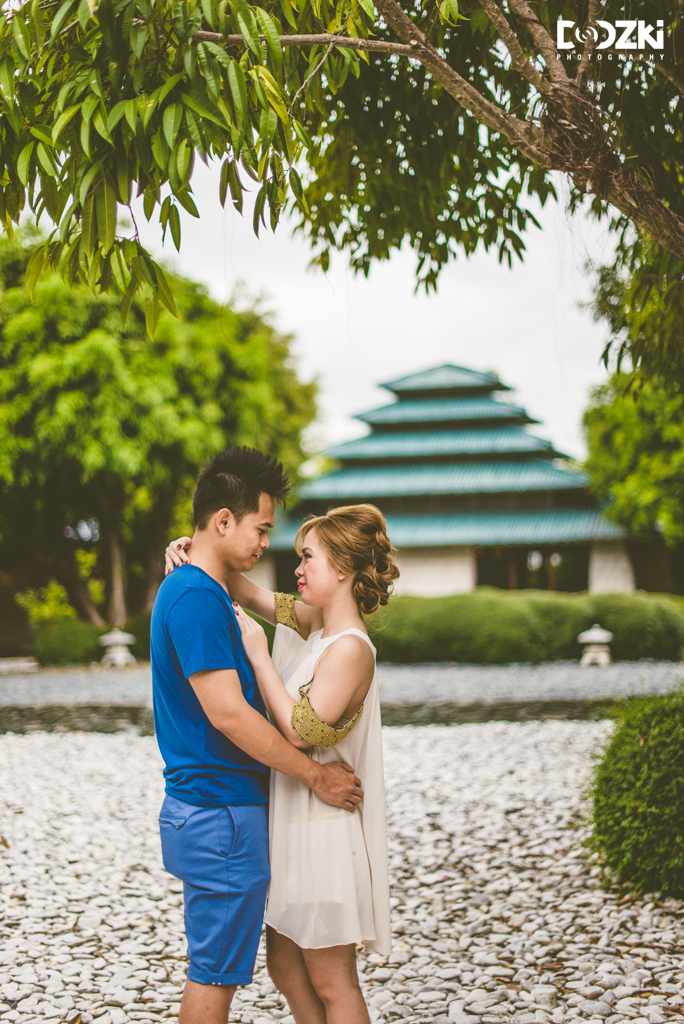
589	46
671	72
527	138
518	59
323	39
543	41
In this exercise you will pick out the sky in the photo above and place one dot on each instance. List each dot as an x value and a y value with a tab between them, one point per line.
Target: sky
352	333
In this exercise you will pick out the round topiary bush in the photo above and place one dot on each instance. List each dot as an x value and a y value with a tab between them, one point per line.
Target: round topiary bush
66	642
638	796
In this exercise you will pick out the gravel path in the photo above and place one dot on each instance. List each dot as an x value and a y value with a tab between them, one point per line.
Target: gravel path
497	913
563	680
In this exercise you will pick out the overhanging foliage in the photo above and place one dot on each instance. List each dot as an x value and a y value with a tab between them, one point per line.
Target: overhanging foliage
445	132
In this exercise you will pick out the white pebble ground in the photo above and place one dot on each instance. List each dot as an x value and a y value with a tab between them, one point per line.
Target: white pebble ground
497	909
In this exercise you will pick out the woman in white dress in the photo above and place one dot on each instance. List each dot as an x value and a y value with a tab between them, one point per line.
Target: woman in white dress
329	887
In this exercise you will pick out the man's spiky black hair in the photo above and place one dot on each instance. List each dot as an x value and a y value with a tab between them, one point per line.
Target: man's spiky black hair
235	478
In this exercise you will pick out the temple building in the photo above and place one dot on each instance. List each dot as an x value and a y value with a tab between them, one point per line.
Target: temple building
472	498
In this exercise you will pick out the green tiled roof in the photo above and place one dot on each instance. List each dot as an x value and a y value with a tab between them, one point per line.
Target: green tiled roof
441	378
427	443
552	526
445	410
439	478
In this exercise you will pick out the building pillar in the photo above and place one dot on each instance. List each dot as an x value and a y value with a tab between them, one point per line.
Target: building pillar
610	568
436	572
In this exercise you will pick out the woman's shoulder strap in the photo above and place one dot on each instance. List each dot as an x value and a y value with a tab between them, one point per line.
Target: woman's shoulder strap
285	611
355	632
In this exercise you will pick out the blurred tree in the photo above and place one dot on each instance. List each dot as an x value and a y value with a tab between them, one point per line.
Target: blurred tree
641	297
100	425
464	109
635	437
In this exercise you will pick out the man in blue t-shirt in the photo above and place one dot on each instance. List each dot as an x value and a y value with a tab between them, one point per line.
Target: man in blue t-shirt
215	739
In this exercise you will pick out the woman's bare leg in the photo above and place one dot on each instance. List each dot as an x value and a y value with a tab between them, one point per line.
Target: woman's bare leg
333	975
288	973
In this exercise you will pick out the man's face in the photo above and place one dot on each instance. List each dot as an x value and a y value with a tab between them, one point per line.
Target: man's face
245	542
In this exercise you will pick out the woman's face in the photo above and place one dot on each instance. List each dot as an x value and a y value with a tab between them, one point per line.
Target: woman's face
317	580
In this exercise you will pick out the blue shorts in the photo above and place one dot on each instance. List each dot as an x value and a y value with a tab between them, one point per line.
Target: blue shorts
221	856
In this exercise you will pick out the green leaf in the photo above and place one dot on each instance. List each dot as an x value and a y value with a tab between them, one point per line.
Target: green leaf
42	132
35	265
87	180
248	27
175	226
208	11
115	115
201	109
286	8
88	226
138	37
271	32
258	217
236	189
63	121
7	77
100	126
46	161
184	162
275	96
128	299
165	293
187	202
21	35
145	109
119	269
60	19
301	133
144	268
368	7
173	116
105	203
161	93
149	202
452	6
151	313
238	90
131	112
223	183
23	163
123	181
296	183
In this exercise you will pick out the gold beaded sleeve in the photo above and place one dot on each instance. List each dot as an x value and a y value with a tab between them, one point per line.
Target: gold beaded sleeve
314	730
285	611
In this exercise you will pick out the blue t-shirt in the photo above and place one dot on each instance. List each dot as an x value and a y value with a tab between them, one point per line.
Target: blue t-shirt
194	629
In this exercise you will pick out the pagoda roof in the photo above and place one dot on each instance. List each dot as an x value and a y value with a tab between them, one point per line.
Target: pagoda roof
445	411
446	378
436	444
442	529
442	479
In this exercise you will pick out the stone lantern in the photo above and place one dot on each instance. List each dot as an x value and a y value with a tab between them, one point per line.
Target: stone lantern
117	643
596	649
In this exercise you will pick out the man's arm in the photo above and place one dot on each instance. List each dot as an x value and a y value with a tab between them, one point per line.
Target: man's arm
220	695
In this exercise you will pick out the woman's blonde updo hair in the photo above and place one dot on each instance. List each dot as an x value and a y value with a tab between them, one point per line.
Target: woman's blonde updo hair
356	542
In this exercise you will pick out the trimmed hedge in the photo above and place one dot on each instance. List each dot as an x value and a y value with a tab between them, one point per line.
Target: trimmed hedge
638	796
487	627
496	627
66	642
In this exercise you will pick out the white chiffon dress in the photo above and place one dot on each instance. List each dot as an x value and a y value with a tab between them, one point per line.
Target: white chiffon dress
329	872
